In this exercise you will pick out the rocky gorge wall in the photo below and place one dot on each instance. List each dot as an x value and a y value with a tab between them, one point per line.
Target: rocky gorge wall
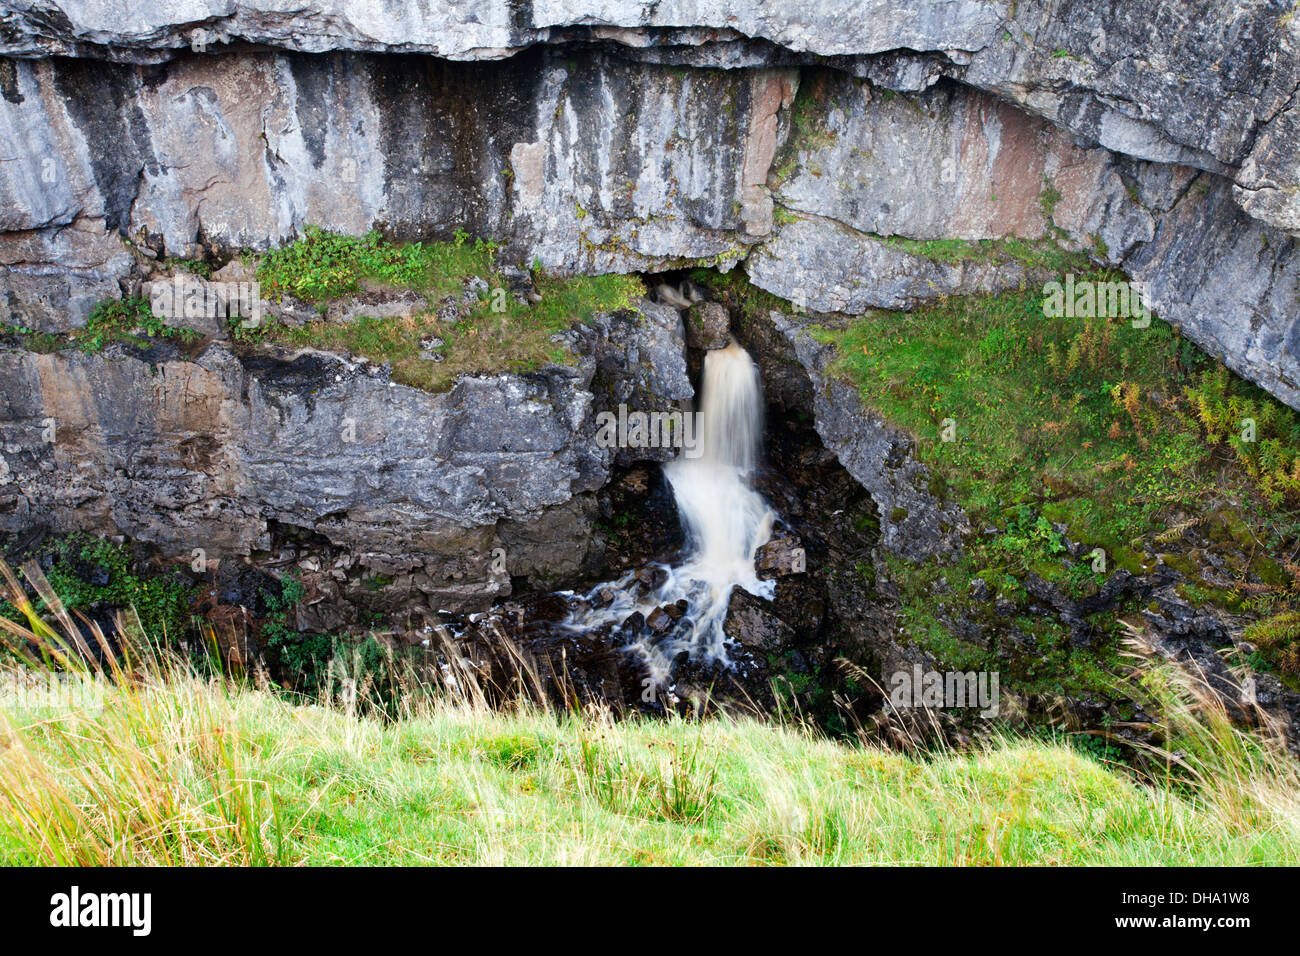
444	496
621	139
799	142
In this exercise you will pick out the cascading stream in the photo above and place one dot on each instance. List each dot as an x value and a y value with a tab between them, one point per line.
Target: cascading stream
724	518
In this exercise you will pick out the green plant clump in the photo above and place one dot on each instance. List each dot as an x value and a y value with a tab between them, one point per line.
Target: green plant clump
93	573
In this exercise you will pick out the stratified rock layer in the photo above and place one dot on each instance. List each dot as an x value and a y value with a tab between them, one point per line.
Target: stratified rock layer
800	141
219	452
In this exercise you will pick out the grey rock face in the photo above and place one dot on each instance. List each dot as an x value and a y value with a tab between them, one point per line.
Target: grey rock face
583	161
1230	284
1203	82
453	30
214	453
640	364
590	163
913	522
949	163
207	453
579	165
828	267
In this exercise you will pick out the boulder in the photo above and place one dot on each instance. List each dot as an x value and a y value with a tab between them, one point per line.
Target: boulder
708	326
752	623
779	557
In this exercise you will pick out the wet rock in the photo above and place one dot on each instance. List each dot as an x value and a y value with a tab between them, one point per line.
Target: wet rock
707	326
631	629
651	578
751	622
659	620
779	557
1175	618
243	585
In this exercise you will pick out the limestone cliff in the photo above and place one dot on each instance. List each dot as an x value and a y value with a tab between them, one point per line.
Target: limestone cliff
803	142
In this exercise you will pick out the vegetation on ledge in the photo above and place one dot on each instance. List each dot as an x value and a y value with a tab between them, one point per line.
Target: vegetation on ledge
1130	437
1034	254
114	320
489	327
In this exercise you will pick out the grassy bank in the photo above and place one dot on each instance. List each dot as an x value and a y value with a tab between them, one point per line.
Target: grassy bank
144	761
1127	436
188	771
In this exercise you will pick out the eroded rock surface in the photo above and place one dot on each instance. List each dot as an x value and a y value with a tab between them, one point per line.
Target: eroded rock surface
447	493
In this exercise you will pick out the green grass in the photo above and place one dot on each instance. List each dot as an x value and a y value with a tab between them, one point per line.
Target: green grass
465	786
1089	421
495	333
143	761
325	265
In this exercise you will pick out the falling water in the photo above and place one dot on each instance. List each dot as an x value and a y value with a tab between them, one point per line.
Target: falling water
725	520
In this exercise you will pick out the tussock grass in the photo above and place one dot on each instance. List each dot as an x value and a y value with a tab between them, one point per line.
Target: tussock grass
178	768
147	767
460	785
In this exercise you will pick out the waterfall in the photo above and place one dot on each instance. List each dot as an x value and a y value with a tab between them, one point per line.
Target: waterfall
724	518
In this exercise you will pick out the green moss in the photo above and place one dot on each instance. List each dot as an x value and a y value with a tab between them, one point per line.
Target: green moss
197	267
809	131
1048	198
1278	640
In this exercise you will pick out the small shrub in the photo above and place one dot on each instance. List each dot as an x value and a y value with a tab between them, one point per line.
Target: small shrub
1278	638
